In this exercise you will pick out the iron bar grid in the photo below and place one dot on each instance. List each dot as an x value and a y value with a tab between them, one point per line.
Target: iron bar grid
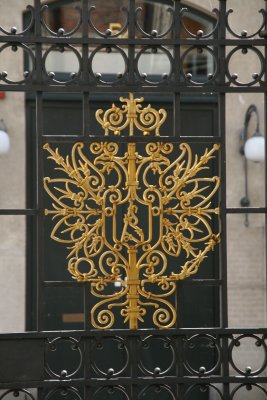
182	377
131	372
171	45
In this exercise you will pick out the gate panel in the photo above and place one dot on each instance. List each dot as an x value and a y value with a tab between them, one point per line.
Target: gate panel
187	361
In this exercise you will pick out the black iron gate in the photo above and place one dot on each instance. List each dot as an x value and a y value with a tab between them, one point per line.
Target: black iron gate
176	363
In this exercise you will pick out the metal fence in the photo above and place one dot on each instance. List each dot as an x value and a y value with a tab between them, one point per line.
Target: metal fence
27	358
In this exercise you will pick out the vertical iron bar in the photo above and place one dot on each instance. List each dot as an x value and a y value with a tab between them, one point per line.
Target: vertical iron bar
39	166
177	118
88	390
131	47
40	206
39	175
180	366
223	258
86	114
87	306
177	69
134	365
86	122
85	67
222	133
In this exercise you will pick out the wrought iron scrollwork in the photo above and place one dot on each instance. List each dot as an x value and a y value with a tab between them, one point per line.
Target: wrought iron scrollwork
24	393
166	42
109	359
61	345
154	33
14	30
27	75
257	77
61	31
157	391
200	34
212	347
109	33
199	389
171	196
132	116
258	342
111	391
101	363
211	77
97	76
254	387
160	367
61	48
166	77
244	33
64	392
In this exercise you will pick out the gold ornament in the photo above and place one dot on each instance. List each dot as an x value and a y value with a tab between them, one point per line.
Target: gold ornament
137	223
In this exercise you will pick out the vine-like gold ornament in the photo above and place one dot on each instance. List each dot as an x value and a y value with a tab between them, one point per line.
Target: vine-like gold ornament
133	116
134	224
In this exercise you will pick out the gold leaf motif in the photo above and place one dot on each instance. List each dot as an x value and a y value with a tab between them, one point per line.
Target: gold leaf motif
128	219
131	116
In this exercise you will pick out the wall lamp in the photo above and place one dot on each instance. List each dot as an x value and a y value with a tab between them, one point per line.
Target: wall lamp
4	138
253	149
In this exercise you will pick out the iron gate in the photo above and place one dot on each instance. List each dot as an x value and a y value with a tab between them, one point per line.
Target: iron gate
29	366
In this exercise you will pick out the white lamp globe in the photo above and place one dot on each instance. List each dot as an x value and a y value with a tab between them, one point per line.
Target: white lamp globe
4	142
255	148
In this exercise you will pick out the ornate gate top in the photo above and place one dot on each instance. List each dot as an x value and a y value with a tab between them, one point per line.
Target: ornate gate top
129	219
131	115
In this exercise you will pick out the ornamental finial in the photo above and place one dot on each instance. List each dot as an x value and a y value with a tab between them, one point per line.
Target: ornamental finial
132	116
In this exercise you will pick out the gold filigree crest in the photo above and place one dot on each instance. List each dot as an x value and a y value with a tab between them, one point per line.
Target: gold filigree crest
126	216
133	116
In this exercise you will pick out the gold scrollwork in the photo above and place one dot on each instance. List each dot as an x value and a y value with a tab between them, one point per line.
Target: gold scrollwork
126	218
131	115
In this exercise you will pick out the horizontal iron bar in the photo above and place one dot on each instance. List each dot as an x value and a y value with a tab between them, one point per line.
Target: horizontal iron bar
28	39
64	283
17	211
58	139
188	282
125	88
175	379
113	96
80	334
141	381
126	139
246	210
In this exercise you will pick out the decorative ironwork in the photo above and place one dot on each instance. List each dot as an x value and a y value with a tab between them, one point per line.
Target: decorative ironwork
233	378
118	346
131	115
58	346
171	197
108	358
168	42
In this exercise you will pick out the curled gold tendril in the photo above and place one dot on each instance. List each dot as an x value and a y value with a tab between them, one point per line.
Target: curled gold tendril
100	202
